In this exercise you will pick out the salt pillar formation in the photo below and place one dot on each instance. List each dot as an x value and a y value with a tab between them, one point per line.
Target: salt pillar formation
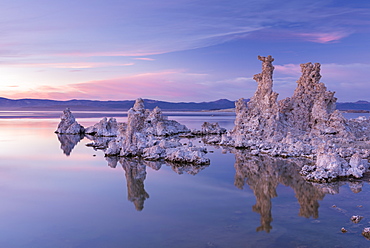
68	124
311	109
134	137
261	116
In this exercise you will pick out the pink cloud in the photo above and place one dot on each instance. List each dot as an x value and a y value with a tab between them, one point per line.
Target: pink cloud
160	85
165	85
350	81
132	53
145	59
323	37
288	69
69	65
169	85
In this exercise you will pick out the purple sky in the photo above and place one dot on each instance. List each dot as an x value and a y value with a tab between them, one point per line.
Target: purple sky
183	50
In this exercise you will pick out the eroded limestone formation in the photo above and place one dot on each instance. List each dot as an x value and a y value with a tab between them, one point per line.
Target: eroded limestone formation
68	124
152	136
147	134
304	125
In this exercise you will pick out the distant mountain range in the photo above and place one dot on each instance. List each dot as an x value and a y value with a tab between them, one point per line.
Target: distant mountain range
359	106
91	105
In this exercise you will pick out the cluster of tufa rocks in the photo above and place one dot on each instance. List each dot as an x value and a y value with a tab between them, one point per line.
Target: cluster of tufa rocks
147	134
304	125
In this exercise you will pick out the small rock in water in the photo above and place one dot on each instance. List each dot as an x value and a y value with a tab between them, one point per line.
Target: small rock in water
343	230
366	233
356	218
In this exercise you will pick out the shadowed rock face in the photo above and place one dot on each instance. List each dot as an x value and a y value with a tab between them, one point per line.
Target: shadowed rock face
304	125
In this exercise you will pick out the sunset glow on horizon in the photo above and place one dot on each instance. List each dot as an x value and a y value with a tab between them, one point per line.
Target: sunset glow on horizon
179	50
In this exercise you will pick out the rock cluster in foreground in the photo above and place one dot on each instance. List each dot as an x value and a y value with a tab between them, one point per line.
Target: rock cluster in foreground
147	134
304	125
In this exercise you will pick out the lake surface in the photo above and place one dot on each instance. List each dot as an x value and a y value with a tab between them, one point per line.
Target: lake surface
49	199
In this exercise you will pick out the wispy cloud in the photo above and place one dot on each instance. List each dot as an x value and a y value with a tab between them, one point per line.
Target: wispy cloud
145	59
143	28
323	37
67	65
288	69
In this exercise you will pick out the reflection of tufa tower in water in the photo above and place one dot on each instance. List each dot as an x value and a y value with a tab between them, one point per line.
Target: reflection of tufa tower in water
263	174
135	172
135	175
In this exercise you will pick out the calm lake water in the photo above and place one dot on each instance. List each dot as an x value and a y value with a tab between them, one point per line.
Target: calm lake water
49	199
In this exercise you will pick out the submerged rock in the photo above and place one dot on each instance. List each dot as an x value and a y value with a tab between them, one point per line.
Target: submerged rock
356	218
68	124
366	233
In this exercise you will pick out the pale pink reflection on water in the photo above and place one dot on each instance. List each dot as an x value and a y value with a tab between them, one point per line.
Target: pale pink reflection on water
49	199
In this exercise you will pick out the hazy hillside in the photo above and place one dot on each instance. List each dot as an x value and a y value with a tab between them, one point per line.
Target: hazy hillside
354	106
38	104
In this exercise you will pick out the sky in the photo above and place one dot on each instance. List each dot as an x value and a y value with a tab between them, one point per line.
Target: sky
179	51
